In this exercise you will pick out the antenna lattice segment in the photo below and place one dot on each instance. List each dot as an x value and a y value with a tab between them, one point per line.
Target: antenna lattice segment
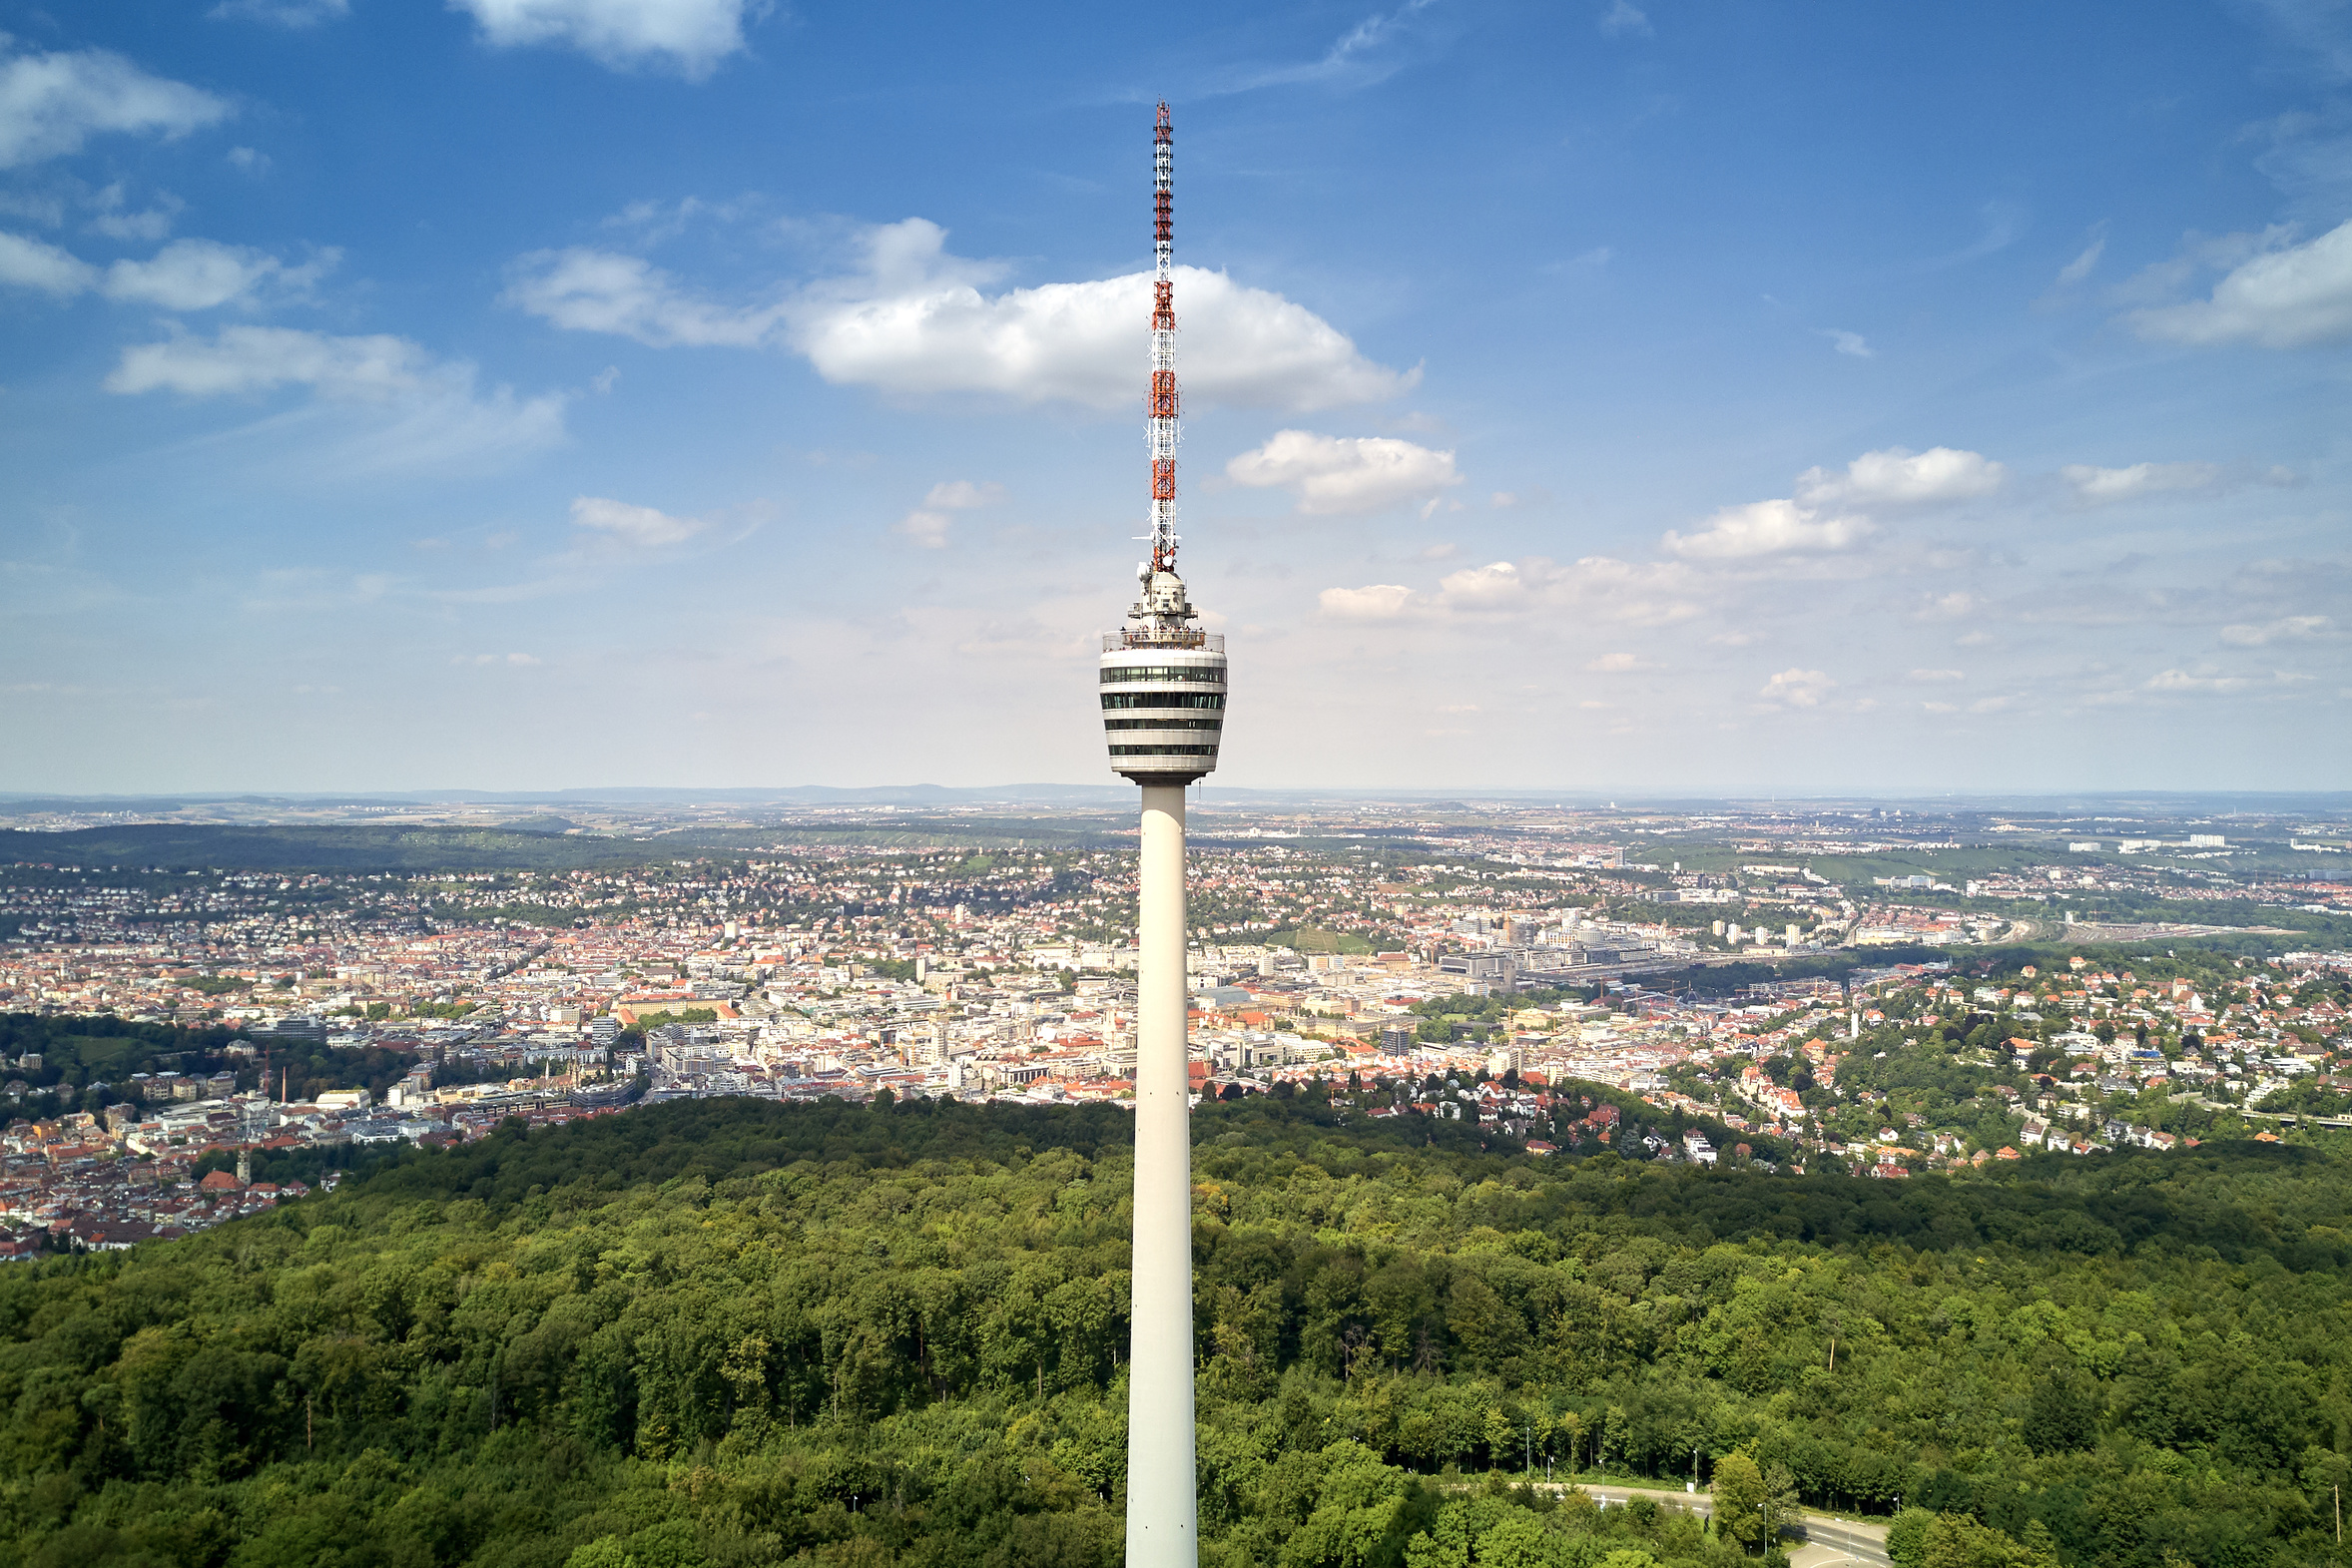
1161	404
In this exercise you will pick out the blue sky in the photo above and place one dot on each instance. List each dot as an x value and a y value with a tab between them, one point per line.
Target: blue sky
542	393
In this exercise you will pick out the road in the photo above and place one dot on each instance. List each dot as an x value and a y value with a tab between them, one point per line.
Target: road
1828	1541
2290	1118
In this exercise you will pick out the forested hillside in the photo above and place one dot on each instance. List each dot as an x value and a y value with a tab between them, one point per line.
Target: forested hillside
731	1333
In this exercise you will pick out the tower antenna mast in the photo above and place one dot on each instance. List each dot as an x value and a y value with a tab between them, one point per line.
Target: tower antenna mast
1162	401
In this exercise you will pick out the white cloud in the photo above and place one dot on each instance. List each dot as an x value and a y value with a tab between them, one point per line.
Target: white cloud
1897	476
2294	628
257	358
1377	602
478	660
2080	268
50	104
1830	510
1501	587
1763	528
623	523
1595	588
408	408
1615	664
2104	486
1796	688
283	13
33	264
1368	54
587	290
115	224
915	320
2286	298
198	275
926	528
2183	681
1622	19
928	523
1853	343
962	494
248	160
692	36
187	275
1934	676
1344	474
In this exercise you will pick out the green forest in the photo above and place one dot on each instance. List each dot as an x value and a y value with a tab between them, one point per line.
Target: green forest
727	1332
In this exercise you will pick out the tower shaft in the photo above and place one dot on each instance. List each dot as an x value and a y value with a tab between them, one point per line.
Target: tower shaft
1162	1507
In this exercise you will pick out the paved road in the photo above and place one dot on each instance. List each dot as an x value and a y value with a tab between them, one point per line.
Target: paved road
1827	1541
2291	1118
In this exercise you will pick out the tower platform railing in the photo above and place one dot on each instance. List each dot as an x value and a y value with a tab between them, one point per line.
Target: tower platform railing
1163	637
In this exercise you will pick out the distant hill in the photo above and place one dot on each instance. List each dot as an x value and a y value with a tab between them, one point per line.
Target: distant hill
183	848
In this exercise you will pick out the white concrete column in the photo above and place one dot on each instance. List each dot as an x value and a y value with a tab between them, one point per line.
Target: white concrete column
1163	1513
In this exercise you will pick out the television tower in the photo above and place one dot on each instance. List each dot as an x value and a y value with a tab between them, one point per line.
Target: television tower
1163	708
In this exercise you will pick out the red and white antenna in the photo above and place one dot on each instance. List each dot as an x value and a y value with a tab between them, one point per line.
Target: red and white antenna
1162	402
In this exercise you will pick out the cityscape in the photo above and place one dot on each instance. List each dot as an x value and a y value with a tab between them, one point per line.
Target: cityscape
1436	783
1735	975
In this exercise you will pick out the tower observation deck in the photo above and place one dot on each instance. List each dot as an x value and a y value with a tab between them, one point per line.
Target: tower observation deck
1163	677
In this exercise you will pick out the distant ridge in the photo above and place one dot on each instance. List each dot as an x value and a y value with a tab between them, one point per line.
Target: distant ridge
1452	796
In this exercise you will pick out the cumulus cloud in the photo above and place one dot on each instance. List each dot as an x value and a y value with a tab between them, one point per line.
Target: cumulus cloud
915	319
1796	688
198	275
50	104
1344	474
1595	588
688	35
1615	664
416	409
187	275
2294	628
2094	487
258	358
1831	508
33	264
2285	297
585	290
1502	587
2183	681
1897	476
641	526
1375	602
1851	344
1763	528
1930	677
928	523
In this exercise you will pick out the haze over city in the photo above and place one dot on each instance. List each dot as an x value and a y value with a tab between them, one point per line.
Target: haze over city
527	393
